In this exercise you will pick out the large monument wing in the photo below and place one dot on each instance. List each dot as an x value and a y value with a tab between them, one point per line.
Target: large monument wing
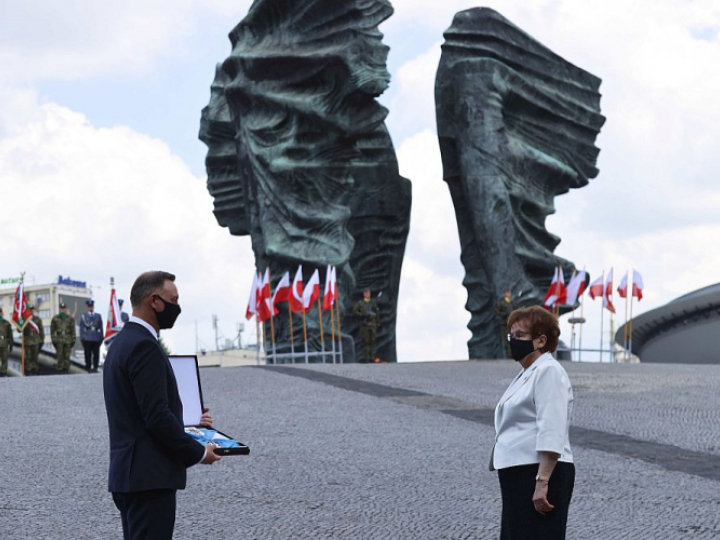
299	157
517	126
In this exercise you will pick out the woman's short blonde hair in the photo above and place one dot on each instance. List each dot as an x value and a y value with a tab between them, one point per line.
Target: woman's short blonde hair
541	322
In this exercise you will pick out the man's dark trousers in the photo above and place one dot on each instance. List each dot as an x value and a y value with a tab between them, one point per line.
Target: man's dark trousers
147	515
92	354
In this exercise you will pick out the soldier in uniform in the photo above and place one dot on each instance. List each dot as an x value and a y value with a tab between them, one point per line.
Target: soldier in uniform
503	309
124	317
33	337
6	343
368	310
62	334
91	336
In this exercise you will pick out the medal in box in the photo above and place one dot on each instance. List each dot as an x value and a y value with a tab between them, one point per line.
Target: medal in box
187	375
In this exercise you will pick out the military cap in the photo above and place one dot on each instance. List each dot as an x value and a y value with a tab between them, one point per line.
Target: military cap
62	305
121	301
30	306
89	303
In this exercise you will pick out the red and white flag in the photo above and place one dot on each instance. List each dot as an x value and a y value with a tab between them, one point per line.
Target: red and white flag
252	301
296	296
114	319
330	288
607	298
622	288
312	291
264	298
282	292
557	293
638	286
576	287
21	313
597	287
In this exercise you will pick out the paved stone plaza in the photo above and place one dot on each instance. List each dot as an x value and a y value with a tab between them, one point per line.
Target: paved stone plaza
375	452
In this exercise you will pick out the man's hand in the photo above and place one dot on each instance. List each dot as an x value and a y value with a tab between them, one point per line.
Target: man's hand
542	506
206	419
210	456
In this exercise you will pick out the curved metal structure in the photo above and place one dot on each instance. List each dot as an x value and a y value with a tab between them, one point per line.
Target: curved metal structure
684	331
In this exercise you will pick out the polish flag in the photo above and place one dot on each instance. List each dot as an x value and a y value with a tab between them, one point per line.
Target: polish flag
296	296
330	287
638	286
114	319
557	294
21	313
576	287
596	288
312	291
264	298
282	292
622	288
607	299
252	301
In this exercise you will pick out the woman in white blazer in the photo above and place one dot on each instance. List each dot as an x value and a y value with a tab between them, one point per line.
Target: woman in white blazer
532	422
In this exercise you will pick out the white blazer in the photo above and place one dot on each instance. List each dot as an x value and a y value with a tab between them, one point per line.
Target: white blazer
533	416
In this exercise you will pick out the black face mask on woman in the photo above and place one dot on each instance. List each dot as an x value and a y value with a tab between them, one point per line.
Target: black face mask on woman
520	348
166	318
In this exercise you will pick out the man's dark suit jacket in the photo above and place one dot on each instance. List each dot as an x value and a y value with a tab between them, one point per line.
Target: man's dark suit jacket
149	448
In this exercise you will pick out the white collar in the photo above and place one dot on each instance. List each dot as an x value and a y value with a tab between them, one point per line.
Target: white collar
141	322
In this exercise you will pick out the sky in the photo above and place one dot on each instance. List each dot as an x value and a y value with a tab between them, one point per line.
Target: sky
102	174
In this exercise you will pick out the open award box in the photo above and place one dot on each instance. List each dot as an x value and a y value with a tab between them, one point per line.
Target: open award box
187	375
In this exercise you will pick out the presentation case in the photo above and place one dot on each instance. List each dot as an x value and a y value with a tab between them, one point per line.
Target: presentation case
187	375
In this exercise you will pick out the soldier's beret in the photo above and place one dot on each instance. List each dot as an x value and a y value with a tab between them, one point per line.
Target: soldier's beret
30	306
89	303
62	305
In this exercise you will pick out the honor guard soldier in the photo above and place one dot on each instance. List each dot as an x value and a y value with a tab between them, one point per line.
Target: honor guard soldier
503	309
62	334
33	337
6	343
91	336
124	317
368	310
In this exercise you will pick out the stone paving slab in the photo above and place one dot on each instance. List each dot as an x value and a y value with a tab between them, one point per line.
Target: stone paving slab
331	462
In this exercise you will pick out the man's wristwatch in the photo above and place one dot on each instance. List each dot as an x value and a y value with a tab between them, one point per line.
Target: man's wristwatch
540	478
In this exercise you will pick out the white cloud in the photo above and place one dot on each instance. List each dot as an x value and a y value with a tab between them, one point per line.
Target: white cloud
42	40
432	321
95	203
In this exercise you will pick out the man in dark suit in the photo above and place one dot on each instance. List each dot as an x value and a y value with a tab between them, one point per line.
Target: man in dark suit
149	449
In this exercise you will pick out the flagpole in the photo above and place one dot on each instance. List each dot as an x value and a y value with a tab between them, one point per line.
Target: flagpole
264	328
340	346
272	319
332	328
305	332
612	343
572	318
631	329
292	336
582	316
602	316
257	339
322	334
22	349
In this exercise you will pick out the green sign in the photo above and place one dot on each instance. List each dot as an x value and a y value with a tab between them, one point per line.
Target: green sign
9	280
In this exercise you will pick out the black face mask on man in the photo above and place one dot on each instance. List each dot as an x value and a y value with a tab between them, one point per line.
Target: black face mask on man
166	318
520	348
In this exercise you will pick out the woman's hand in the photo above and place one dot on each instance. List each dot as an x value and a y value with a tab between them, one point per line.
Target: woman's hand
542	506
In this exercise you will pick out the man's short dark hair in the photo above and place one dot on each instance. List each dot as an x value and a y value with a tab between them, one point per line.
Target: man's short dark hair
148	283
